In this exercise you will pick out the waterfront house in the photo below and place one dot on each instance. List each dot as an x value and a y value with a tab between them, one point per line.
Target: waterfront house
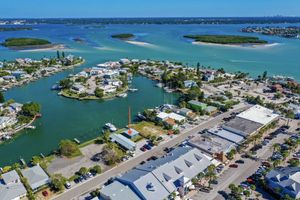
209	76
18	74
189	84
7	121
108	88
11	187
36	177
162	116
78	88
196	105
111	74
286	180
130	133
124	61
122	141
16	106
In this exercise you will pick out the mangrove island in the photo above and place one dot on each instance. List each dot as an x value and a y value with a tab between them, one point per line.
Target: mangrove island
226	39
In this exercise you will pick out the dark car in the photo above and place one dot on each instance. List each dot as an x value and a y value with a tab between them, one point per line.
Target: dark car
240	161
147	146
214	182
45	193
233	166
143	149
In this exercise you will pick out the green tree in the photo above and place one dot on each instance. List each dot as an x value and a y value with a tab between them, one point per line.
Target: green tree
65	83
57	182
35	160
57	54
211	174
30	109
264	75
83	171
68	148
2	98
96	169
99	92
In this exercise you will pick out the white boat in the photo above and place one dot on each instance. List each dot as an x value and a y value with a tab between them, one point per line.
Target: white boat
132	89
123	95
160	85
110	126
30	127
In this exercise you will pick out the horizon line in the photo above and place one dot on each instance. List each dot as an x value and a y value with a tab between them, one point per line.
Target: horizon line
274	16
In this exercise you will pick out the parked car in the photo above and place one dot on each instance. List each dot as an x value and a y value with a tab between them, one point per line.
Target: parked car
45	193
143	148
240	161
68	185
147	146
233	166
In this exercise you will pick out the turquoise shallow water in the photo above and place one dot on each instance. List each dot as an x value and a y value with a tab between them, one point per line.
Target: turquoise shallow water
66	118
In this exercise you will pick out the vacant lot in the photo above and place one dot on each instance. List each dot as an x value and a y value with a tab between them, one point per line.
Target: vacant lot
148	128
68	166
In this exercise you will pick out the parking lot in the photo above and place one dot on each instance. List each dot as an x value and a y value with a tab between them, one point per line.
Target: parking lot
67	167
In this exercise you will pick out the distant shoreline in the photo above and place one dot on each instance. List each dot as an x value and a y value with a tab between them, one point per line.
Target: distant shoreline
248	45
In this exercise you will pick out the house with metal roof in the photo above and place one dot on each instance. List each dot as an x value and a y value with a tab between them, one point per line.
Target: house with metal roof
157	179
11	188
286	179
130	133
123	141
117	191
36	177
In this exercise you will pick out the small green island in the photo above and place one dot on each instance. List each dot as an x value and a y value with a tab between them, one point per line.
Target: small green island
226	39
4	29
123	36
30	43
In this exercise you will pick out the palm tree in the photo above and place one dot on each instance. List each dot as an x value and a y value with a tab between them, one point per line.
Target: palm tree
210	174
276	147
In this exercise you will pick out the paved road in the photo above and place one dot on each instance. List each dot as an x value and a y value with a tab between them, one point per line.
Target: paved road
239	175
99	180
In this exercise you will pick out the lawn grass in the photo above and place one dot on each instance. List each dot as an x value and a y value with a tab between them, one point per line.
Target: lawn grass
147	129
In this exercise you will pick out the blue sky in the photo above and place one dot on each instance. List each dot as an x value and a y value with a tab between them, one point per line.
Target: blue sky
147	8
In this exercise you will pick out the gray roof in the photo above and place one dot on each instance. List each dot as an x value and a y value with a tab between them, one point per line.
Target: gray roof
123	141
10	177
227	135
241	126
287	178
12	191
36	176
211	144
118	191
156	179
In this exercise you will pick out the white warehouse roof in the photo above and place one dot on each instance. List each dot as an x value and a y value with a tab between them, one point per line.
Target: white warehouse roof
259	114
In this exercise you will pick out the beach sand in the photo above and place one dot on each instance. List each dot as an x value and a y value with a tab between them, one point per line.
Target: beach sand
138	43
41	48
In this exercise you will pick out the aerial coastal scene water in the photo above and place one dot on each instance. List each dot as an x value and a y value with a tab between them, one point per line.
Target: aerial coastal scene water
206	108
65	118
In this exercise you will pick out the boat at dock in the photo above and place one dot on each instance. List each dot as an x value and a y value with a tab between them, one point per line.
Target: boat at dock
160	85
123	95
110	127
132	89
141	117
30	127
56	87
76	140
